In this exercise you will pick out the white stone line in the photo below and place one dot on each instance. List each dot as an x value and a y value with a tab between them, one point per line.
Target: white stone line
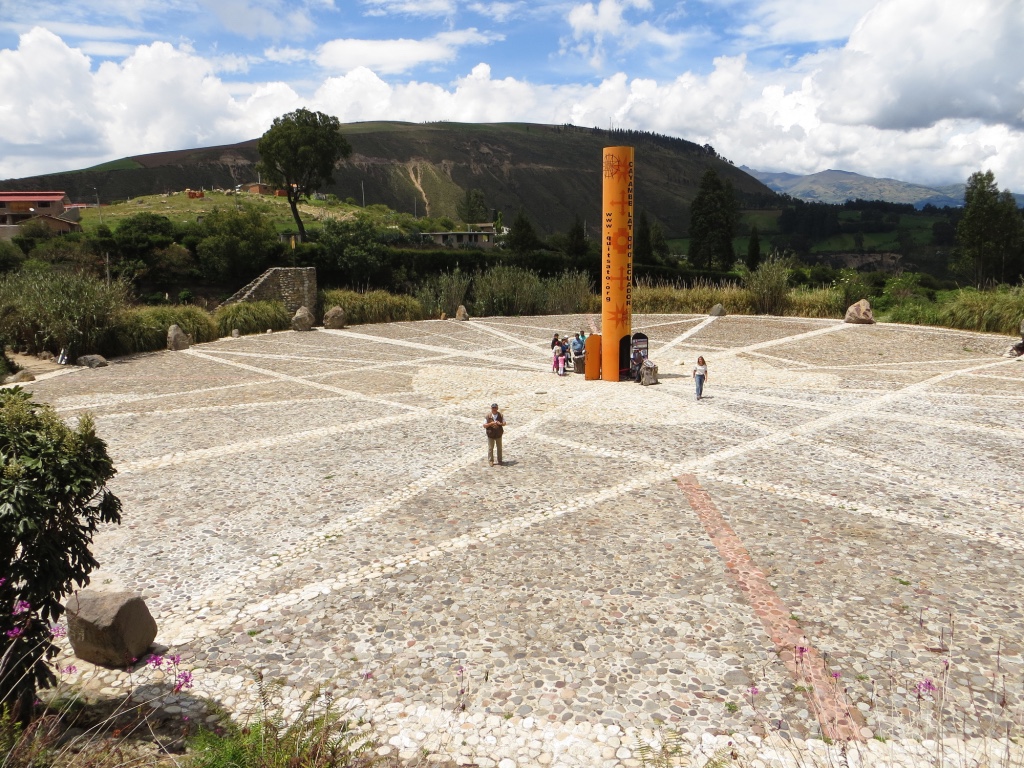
142	398
905	418
295	379
839	416
648	326
1009	538
535	348
389	364
1015	379
901	363
838	326
305	358
476	355
224	407
685	335
787	360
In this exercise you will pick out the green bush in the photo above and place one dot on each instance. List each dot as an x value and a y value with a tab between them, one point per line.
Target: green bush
1000	310
53	495
251	317
769	286
508	291
816	302
914	313
372	306
143	329
444	293
59	310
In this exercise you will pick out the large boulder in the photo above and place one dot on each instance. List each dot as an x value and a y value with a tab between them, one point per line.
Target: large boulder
19	378
860	313
335	318
177	339
112	629
717	311
461	313
303	320
92	361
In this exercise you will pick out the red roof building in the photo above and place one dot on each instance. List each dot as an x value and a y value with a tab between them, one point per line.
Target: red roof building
16	207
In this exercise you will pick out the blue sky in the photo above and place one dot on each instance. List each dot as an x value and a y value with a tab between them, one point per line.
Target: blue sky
922	90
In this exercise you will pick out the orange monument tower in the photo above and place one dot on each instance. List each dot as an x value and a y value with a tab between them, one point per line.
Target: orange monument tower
617	269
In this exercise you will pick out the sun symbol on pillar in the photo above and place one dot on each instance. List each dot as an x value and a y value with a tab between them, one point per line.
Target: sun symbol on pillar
612	166
619	317
620	240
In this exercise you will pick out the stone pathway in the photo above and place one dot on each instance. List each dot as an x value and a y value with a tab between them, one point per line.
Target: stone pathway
827	547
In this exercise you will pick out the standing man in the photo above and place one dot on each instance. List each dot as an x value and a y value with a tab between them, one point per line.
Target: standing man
494	424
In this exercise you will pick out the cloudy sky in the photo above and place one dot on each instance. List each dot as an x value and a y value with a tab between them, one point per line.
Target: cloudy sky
920	90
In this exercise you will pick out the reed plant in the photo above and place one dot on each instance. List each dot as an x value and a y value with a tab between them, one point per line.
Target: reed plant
568	293
651	297
444	293
768	286
921	312
252	317
508	290
816	302
999	311
144	329
373	306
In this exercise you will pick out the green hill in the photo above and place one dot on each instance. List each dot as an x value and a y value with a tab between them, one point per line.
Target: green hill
552	172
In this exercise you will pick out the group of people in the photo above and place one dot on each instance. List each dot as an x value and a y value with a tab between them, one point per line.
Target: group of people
565	352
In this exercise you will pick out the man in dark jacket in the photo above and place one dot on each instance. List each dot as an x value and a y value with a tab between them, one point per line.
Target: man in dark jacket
495	426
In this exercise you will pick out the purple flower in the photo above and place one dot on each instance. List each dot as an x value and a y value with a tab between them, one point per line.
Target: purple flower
22	606
175	659
753	690
2	581
925	686
155	661
367	675
70	669
58	631
836	675
16	632
183	681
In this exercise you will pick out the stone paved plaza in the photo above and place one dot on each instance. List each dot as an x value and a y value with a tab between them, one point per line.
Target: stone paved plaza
838	521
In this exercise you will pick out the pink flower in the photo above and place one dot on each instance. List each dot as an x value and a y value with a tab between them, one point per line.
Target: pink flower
155	661
58	631
16	632
20	607
183	681
70	669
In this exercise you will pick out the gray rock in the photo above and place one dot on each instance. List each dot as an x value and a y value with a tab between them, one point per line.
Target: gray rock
335	318
303	320
19	378
860	313
177	339
92	361
648	374
235	333
111	629
717	311
461	313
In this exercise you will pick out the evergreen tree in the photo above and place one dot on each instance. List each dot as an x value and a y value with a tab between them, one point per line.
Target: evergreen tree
753	250
576	239
712	223
642	251
991	233
472	209
659	245
522	237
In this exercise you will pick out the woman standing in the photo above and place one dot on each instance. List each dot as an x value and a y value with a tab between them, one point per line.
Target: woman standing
700	376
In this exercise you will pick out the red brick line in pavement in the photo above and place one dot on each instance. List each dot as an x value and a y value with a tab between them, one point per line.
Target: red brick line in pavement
838	720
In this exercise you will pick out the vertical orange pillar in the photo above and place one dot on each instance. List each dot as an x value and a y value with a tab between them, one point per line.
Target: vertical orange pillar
617	272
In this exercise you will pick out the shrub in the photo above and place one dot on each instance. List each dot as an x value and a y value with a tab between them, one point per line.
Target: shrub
54	496
143	329
505	290
816	302
699	298
251	317
58	310
372	306
769	286
915	313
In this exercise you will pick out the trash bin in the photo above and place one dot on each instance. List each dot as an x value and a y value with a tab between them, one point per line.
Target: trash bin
579	363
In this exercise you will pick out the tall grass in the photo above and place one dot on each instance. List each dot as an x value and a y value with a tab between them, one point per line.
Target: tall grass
667	298
373	306
769	287
816	302
142	329
568	293
507	290
444	293
1000	310
51	311
251	317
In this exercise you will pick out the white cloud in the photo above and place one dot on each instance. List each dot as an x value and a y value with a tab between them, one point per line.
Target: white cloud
274	19
592	26
410	7
774	22
499	12
286	55
396	56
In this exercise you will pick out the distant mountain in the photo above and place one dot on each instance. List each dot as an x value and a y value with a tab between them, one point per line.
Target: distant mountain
840	186
552	172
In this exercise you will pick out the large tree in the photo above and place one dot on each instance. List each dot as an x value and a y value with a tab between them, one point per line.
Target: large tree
299	153
712	223
990	234
472	209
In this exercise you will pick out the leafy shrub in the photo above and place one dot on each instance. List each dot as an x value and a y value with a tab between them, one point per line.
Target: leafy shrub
854	287
915	313
569	293
58	310
143	329
508	291
53	492
372	306
769	286
251	317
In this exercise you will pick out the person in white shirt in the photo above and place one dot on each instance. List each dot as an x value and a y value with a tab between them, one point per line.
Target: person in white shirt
700	376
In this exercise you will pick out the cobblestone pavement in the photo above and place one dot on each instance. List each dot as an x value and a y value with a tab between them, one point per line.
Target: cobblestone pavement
837	522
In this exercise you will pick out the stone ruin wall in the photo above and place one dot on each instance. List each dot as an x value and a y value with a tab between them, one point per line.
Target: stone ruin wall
294	286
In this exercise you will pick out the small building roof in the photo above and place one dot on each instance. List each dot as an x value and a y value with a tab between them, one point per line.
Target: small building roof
13	197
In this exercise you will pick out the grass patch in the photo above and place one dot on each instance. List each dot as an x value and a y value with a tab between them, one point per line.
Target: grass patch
669	298
999	311
372	306
144	329
251	317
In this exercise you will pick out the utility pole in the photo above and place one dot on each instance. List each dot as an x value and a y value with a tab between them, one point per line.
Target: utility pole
98	203
364	193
